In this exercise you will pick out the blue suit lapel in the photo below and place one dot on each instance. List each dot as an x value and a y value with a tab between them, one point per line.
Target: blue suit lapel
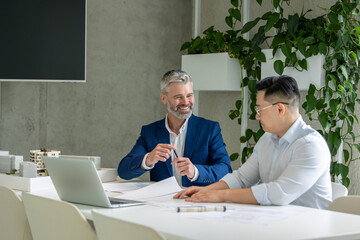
191	136
163	137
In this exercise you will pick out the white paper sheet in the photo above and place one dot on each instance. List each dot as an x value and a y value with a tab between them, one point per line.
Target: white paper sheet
240	213
247	214
164	187
123	187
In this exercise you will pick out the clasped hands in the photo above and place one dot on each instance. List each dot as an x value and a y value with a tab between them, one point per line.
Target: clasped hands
162	152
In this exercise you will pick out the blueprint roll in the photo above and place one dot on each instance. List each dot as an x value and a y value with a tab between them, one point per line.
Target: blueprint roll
28	169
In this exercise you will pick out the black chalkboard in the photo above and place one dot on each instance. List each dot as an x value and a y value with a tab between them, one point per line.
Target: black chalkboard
42	40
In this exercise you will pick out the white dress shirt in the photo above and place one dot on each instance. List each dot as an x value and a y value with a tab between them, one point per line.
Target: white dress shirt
293	169
179	141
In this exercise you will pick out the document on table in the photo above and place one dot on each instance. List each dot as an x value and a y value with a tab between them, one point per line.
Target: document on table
164	187
123	187
248	214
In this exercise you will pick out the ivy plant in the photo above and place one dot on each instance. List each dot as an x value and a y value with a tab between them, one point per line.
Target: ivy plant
335	34
249	56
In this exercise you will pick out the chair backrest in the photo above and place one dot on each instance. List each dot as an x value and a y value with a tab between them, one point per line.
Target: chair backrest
54	219
109	228
338	190
14	224
346	204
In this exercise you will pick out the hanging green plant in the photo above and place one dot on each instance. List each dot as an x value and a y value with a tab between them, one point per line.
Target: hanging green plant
336	35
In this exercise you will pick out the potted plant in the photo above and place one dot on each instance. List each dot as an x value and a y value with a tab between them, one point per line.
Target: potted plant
334	35
232	43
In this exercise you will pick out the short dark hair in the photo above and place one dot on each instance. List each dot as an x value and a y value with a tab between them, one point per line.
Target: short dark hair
283	87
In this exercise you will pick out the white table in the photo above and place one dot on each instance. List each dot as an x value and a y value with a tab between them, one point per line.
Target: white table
303	223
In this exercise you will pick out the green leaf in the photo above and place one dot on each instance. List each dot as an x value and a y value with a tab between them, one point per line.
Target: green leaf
314	49
234	114
219	38
320	104
346	155
229	21
286	49
258	134
185	45
234	157
243	139
248	134
249	25
261	57
345	181
251	85
322	48
238	104
235	3
312	89
311	103
328	95
293	59
309	40
343	170
323	119
276	3
344	71
355	58
303	64
334	105
197	41
259	2
333	18
350	107
278	39
244	155
270	23
357	146
293	24
279	67
236	14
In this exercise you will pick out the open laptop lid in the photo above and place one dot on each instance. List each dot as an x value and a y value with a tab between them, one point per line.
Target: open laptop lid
77	181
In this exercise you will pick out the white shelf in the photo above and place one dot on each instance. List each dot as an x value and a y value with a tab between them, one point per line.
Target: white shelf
24	183
315	73
39	183
213	71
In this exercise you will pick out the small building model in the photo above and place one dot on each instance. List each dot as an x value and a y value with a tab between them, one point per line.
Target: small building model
36	157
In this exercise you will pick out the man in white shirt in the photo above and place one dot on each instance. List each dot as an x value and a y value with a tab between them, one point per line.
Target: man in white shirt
290	163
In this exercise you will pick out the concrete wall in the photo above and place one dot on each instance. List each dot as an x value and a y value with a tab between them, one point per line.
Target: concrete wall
130	45
216	105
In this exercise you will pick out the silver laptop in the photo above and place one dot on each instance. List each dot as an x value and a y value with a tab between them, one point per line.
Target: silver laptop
77	181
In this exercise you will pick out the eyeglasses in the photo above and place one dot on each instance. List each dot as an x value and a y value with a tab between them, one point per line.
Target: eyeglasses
259	110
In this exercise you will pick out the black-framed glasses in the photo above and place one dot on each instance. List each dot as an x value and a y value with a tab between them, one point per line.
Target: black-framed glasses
271	105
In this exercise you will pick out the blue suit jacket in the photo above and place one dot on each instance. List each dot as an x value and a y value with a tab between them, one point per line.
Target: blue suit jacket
204	146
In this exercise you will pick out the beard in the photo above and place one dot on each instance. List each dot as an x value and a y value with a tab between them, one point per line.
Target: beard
174	110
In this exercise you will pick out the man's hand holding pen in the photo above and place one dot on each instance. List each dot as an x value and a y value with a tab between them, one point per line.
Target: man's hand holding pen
184	166
161	152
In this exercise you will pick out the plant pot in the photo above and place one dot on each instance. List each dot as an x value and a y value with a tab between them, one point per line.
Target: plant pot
213	71
315	73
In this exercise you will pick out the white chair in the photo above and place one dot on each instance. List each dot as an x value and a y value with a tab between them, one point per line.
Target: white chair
14	224
56	220
346	204
109	228
338	190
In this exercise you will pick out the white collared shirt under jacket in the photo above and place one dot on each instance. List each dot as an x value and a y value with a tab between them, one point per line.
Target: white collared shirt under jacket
293	169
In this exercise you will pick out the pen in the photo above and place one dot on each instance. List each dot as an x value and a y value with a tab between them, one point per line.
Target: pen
176	154
201	209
